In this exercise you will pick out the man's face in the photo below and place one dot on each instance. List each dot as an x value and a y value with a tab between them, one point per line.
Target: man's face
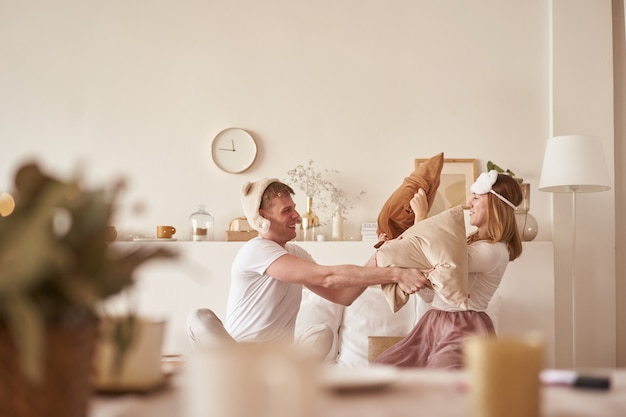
283	219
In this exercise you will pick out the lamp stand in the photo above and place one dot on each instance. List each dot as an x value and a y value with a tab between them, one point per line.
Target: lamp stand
574	277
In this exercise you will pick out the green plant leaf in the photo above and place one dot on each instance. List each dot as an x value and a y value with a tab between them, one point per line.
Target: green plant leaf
492	166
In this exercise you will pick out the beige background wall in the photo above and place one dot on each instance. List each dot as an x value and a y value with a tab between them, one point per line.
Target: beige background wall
138	89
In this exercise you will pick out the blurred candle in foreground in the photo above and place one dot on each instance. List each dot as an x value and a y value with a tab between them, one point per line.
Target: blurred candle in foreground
504	376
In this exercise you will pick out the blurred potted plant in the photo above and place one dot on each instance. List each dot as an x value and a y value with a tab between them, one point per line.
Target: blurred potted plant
56	270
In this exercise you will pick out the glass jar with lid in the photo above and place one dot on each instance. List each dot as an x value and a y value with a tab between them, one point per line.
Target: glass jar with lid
201	225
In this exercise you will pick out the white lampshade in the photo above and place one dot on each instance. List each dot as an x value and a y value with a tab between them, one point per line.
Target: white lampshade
574	163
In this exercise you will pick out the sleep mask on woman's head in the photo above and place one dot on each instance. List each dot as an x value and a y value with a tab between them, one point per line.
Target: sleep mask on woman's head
484	183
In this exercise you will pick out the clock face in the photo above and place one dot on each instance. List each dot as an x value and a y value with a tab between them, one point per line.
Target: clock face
233	150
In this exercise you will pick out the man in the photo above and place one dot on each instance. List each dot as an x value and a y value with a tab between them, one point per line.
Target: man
269	271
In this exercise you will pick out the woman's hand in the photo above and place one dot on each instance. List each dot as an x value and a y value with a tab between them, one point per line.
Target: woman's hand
419	205
425	272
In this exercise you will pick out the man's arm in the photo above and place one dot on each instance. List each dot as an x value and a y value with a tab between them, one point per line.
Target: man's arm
342	284
344	296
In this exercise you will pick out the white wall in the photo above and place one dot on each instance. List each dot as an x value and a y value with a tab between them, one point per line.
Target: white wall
140	88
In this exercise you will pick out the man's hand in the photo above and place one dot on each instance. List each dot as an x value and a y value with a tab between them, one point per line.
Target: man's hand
412	280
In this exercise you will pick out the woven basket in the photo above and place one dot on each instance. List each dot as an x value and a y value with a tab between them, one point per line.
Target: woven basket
66	388
240	236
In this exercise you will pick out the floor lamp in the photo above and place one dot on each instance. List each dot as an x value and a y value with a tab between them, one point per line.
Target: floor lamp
574	164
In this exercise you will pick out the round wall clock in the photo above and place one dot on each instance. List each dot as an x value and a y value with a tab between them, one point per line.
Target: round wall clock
233	150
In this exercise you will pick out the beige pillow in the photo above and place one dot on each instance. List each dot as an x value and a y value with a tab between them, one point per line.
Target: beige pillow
436	242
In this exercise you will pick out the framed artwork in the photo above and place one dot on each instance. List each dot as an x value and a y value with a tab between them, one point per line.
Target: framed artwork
457	175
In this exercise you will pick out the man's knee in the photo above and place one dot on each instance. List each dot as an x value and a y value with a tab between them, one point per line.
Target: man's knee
205	328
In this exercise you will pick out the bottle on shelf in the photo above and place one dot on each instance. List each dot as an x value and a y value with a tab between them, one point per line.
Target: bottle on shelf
337	229
310	222
201	225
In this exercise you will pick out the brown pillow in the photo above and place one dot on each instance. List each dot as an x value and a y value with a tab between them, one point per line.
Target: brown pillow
436	242
396	215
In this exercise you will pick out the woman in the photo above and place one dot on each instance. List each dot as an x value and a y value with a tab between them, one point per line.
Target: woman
437	339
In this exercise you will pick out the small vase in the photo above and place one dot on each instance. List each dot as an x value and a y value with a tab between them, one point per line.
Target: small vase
337	233
526	225
310	221
526	222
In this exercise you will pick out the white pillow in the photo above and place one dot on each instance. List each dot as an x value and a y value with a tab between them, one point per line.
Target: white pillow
316	310
369	315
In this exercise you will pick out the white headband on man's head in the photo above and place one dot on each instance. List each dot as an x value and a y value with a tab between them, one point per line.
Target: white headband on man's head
484	183
251	195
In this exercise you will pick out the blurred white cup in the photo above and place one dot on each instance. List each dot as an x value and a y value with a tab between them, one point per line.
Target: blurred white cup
246	380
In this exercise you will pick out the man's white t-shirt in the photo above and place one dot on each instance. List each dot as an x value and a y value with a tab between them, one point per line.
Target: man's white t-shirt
261	308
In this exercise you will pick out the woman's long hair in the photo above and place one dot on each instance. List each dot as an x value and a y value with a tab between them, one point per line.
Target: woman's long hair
501	222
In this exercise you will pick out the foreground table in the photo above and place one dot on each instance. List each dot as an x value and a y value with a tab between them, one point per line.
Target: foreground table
416	392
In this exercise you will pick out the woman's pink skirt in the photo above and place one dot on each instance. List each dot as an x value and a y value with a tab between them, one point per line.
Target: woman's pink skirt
437	340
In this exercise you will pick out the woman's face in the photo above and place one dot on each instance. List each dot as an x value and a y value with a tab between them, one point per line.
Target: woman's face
478	210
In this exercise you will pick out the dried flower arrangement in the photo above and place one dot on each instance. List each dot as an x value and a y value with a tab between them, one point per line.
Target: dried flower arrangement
308	179
341	201
316	184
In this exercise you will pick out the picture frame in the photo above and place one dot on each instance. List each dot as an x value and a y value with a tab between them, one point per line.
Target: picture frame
457	176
